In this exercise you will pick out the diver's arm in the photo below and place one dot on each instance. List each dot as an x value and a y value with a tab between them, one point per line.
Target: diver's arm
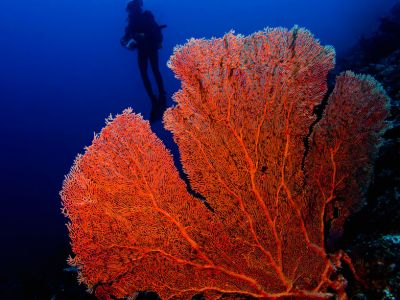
129	34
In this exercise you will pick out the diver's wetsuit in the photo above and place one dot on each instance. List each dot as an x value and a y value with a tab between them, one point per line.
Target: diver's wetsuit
143	29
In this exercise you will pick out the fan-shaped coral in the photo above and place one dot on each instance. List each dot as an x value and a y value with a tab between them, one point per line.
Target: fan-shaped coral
241	119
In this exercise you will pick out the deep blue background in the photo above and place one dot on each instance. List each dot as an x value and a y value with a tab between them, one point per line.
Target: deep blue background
62	72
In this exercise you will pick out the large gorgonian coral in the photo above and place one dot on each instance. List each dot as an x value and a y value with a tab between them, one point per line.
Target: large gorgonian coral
241	120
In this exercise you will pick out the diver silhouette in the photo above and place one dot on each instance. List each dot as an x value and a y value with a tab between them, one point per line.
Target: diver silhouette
144	34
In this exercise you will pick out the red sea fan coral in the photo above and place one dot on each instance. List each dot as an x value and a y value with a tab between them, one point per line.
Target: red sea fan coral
242	115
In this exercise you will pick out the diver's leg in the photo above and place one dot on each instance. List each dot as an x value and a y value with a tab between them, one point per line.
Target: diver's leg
142	61
161	103
153	55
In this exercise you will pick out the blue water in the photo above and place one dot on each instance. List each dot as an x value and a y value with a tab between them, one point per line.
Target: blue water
63	71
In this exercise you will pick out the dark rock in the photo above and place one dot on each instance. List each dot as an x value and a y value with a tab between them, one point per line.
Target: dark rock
372	236
377	262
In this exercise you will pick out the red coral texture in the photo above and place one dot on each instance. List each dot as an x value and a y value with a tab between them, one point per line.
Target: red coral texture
242	115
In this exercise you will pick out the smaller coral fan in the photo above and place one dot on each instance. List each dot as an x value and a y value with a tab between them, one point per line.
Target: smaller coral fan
245	108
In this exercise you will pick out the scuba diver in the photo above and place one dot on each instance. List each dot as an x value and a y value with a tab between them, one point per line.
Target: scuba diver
144	34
